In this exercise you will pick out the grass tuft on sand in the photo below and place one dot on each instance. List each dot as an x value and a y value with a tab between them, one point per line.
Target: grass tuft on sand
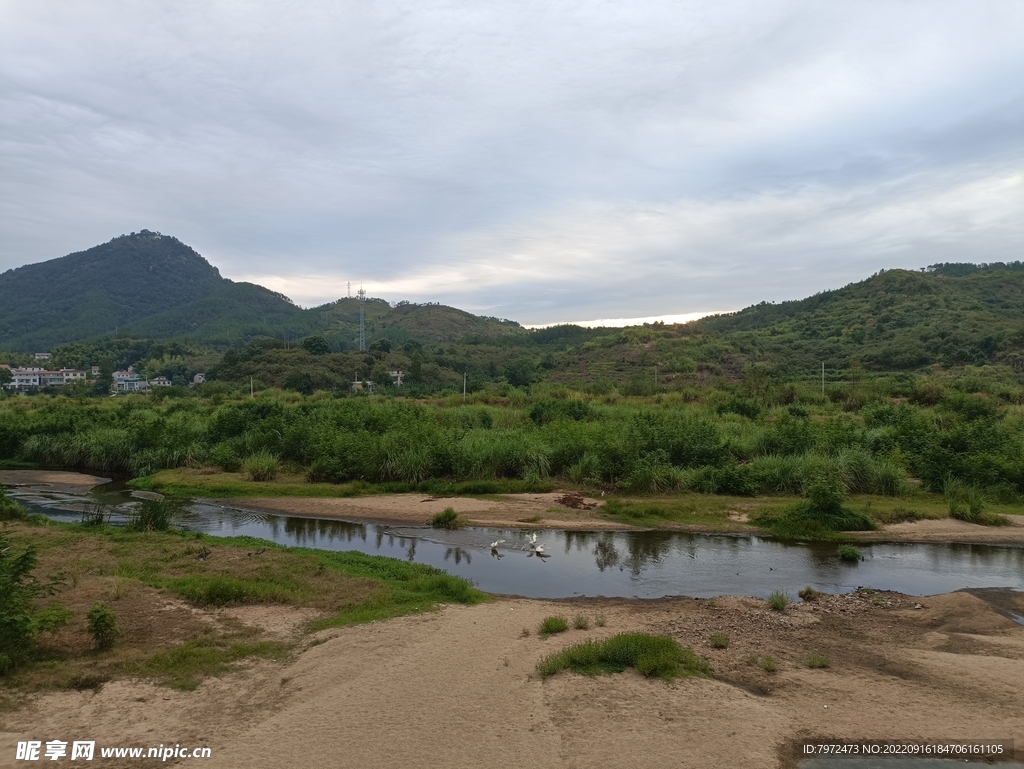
650	655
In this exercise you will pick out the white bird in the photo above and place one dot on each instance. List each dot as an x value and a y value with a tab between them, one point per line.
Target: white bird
532	540
539	549
495	543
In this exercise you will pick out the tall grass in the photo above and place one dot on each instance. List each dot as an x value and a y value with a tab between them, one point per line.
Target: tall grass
718	440
650	655
262	466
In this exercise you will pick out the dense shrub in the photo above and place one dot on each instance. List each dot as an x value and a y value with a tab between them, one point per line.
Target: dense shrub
21	619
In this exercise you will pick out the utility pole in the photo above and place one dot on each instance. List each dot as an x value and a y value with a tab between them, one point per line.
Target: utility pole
464	375
251	394
823	377
362	319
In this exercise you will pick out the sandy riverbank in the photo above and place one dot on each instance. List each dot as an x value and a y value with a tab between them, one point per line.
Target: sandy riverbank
56	480
555	510
458	688
541	511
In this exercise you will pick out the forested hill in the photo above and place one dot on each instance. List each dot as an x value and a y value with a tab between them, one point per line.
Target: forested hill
152	286
116	285
898	319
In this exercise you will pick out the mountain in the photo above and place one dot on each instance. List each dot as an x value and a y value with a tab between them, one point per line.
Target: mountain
143	284
950	314
152	286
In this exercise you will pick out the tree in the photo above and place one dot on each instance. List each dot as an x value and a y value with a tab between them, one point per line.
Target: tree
5	376
315	345
106	378
381	345
20	620
416	368
521	372
380	376
300	381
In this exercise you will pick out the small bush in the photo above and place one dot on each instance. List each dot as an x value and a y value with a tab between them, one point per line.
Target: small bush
720	641
262	466
849	553
553	624
600	620
21	621
769	665
809	594
778	601
818	661
102	625
898	515
446	519
9	509
581	622
151	515
967	503
650	655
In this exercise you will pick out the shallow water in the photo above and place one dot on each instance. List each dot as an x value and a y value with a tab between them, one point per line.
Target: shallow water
640	564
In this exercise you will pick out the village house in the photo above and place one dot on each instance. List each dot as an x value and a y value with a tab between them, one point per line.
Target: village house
160	381
129	382
26	378
43	356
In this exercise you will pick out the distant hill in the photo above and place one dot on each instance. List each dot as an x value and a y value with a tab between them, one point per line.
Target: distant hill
142	284
152	286
951	314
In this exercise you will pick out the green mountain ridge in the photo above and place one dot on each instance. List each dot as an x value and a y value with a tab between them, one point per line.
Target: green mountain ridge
149	285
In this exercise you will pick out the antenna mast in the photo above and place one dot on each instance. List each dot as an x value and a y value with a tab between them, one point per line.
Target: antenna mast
362	319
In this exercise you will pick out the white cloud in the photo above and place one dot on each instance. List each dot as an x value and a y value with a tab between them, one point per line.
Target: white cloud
538	161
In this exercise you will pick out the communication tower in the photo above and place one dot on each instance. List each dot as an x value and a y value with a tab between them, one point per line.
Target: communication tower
362	318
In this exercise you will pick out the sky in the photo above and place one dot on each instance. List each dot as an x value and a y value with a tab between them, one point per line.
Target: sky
540	161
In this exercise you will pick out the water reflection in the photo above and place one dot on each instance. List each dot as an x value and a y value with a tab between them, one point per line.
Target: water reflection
605	554
612	563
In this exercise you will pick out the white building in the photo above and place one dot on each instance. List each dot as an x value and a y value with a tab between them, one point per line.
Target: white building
42	356
129	382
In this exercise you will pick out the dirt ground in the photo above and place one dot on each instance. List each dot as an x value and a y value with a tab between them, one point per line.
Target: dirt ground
548	511
458	688
948	530
57	480
541	511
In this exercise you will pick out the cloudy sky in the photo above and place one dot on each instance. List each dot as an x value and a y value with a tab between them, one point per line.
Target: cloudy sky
543	161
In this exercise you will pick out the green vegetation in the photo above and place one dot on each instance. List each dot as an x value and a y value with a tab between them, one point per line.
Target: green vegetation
778	601
552	625
9	509
849	553
22	620
719	640
261	466
152	515
183	667
968	503
768	664
102	622
136	570
446	519
737	411
659	656
810	594
817	661
581	622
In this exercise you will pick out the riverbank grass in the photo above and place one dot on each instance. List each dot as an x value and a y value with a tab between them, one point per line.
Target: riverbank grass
159	590
650	655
